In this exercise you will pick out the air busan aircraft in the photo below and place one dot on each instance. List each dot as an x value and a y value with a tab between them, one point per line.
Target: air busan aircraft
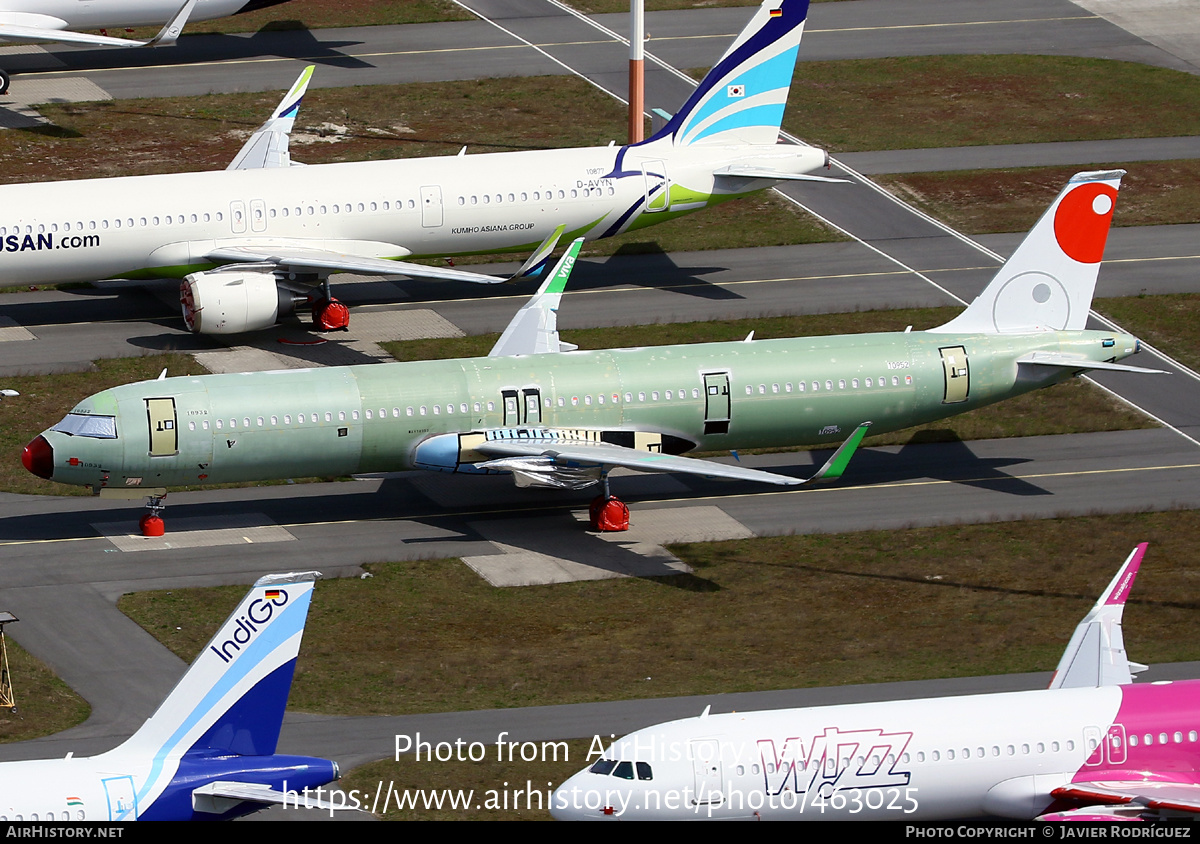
56	20
555	417
208	753
1091	747
257	240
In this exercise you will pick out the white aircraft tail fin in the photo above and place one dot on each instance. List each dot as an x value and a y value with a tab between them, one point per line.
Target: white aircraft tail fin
1095	655
231	699
1047	284
742	98
268	146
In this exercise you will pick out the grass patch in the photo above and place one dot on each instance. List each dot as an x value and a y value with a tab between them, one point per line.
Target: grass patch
45	704
1153	193
45	399
1170	322
978	599
949	101
1068	408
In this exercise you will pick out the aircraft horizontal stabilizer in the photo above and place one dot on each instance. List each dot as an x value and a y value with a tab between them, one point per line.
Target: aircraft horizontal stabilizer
325	261
1072	362
1095	655
268	146
218	797
1156	795
534	330
776	175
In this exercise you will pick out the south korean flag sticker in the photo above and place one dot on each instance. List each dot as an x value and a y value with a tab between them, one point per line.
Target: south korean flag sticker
735	91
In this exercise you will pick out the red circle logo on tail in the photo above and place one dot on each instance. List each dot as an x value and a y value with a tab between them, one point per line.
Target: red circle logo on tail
1082	219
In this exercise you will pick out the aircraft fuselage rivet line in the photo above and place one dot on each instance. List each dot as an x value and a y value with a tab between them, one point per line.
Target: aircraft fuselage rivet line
661	501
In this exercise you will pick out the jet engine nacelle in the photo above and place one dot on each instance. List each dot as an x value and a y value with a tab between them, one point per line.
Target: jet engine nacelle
233	301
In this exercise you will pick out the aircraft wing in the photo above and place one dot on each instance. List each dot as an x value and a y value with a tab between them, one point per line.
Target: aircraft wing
534	330
1095	655
1073	362
324	261
208	798
30	26
268	146
538	454
1156	795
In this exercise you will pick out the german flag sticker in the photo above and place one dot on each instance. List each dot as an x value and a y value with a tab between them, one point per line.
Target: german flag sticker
777	13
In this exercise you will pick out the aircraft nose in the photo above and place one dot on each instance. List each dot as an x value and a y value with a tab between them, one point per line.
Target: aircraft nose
38	457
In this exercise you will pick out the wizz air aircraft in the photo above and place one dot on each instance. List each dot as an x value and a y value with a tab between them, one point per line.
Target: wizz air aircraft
555	417
259	239
57	20
208	753
1090	747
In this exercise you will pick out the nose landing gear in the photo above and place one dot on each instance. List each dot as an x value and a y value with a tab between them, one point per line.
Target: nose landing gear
152	524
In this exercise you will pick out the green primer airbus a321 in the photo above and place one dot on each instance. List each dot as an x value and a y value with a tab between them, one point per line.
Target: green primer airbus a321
553	416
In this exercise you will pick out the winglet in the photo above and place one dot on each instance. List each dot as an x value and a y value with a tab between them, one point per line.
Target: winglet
836	464
1095	655
534	330
174	27
268	146
541	256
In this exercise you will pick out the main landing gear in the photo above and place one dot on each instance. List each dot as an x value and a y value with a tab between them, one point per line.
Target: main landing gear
152	524
608	513
4	80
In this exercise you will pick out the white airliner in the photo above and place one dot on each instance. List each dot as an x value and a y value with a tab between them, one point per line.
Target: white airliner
1090	747
255	240
208	753
58	20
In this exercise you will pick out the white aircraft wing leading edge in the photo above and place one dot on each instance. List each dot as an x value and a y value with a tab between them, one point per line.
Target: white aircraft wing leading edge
29	26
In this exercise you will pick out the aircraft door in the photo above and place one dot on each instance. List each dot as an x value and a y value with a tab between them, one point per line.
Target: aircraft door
237	216
958	374
658	186
122	798
706	765
164	436
533	406
431	206
716	403
512	409
258	215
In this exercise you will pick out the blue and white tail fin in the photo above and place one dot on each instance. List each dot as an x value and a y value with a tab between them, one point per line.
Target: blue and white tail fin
231	699
1048	283
1095	655
741	100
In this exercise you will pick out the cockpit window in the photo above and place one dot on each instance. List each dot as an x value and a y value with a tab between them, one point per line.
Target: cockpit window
86	425
624	770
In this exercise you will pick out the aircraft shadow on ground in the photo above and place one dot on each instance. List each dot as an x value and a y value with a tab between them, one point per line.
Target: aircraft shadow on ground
276	39
449	504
